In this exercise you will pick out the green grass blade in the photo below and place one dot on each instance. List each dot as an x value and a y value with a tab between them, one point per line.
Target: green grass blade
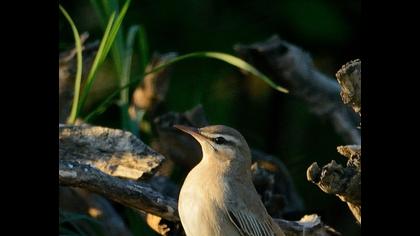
74	108
99	58
104	8
235	61
144	49
126	74
116	27
106	43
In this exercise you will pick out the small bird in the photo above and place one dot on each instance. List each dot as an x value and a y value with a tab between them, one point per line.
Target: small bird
218	197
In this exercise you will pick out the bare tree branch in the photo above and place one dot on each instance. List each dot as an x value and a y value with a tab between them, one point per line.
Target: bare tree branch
292	67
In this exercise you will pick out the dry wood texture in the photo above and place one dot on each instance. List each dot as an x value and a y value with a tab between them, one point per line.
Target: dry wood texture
345	182
112	151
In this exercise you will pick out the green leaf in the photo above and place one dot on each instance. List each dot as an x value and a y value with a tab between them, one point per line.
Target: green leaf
99	58
144	48
125	77
216	55
235	61
74	108
119	46
106	43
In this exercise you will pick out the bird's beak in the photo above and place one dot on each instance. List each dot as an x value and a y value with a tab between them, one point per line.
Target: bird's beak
192	131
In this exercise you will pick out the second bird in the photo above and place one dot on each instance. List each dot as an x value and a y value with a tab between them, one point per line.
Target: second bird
218	197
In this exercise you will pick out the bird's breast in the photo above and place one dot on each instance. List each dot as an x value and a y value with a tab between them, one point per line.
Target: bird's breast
201	208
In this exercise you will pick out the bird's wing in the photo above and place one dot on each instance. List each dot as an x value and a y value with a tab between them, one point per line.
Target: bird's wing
248	224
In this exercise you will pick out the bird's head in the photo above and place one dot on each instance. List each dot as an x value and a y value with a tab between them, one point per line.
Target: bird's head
221	143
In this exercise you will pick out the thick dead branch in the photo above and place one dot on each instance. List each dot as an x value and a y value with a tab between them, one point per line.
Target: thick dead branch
342	181
67	74
289	65
133	194
349	78
309	225
112	151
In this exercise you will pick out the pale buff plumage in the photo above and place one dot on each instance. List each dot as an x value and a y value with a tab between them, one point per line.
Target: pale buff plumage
218	197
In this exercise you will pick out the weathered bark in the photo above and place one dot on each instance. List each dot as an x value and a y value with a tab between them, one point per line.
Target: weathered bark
342	181
349	78
345	182
291	66
112	151
127	192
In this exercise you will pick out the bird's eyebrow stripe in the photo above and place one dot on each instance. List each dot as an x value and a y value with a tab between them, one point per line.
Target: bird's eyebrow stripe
228	138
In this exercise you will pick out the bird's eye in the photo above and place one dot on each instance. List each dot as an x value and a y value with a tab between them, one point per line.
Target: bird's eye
220	140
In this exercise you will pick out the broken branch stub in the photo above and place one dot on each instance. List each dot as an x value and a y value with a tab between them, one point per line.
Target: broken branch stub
342	181
349	78
115	152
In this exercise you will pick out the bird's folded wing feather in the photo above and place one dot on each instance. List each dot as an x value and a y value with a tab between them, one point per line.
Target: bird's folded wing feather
248	224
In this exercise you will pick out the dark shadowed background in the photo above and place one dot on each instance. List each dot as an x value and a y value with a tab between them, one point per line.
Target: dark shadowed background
276	123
